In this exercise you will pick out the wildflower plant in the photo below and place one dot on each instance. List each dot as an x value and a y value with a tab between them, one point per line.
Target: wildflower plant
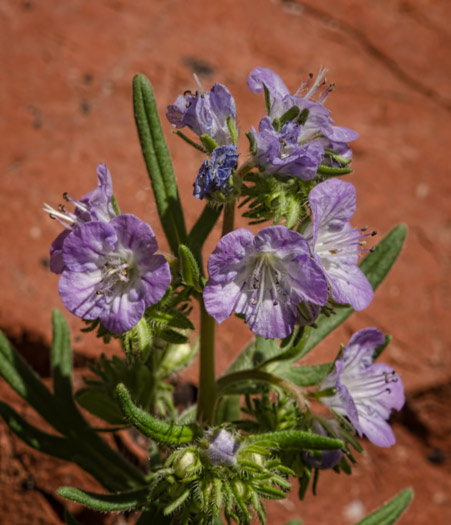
269	419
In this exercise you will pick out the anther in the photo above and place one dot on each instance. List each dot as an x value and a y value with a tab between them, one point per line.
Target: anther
52	216
66	196
362	243
373	233
364	228
275	303
373	249
99	292
61	207
333	252
253	302
187	93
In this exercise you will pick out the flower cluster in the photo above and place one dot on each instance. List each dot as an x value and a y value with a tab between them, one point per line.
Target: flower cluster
109	267
298	131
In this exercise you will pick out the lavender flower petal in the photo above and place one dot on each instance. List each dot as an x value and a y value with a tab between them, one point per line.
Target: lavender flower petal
263	277
335	243
205	113
366	393
112	272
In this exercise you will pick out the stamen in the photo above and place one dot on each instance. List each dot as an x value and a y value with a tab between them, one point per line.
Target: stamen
201	89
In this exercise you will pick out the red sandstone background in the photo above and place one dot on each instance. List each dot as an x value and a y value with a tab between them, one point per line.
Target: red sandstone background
65	105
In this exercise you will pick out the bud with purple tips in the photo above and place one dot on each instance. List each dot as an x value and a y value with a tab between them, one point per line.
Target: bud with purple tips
365	392
214	174
223	449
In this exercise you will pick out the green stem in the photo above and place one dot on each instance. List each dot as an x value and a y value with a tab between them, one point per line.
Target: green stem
207	384
229	218
244	375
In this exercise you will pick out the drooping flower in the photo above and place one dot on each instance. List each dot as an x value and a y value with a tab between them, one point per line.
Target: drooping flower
366	392
316	118
205	113
94	206
336	244
329	458
112	272
214	174
263	277
285	151
223	449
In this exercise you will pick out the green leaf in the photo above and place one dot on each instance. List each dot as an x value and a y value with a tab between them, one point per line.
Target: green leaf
232	129
189	268
256	352
106	502
169	434
295	344
391	511
382	347
297	439
61	360
209	144
303	375
252	143
29	386
158	162
331	172
33	437
228	409
137	342
376	267
201	230
99	403
296	521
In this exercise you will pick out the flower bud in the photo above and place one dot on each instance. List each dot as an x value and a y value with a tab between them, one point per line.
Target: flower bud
186	464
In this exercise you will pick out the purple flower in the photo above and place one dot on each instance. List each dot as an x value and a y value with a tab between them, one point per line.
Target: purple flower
329	458
335	243
112	272
316	120
205	113
214	174
94	206
366	392
263	277
285	152
222	450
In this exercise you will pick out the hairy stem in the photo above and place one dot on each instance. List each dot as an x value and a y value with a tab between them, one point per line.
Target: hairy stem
207	384
228	218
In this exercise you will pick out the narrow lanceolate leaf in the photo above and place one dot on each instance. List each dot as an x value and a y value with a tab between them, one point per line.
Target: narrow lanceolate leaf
296	439
391	511
169	434
304	375
257	352
189	268
106	502
28	385
61	360
33	437
376	267
158	162
331	172
201	230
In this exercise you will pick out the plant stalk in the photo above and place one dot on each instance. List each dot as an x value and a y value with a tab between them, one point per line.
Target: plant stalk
207	383
228	218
